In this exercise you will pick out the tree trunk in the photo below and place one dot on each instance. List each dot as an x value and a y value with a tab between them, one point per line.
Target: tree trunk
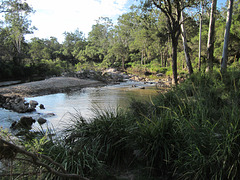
162	59
123	63
174	60
186	48
142	58
226	36
211	34
165	59
200	38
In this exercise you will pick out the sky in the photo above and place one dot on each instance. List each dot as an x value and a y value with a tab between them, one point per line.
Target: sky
54	17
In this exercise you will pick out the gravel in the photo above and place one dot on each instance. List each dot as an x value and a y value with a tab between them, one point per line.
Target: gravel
48	86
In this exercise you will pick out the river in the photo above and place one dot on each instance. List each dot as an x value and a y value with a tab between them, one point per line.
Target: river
65	105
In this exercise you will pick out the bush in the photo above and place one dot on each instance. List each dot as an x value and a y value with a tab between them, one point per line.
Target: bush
190	132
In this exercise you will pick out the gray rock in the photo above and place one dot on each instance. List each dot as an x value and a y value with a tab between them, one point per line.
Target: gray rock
49	115
160	75
24	123
41	106
41	121
17	104
33	104
18	100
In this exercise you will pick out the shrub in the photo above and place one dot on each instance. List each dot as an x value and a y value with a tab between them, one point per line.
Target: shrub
190	132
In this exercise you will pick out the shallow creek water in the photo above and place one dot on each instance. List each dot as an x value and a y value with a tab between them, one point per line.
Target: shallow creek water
65	105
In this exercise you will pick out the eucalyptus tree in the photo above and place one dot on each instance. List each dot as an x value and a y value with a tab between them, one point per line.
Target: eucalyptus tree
185	45
36	46
6	45
172	10
161	38
142	32
234	41
149	34
6	53
121	37
47	49
200	36
234	36
17	22
55	47
73	44
118	52
226	36
211	35
141	43
98	39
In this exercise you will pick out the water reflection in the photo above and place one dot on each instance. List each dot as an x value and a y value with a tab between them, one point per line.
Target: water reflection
65	104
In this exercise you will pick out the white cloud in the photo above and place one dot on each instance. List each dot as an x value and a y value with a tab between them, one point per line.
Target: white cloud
53	17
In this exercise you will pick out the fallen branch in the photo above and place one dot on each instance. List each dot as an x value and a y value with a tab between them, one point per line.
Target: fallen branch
35	159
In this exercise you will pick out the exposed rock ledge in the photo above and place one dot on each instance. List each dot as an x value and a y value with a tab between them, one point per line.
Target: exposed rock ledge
48	86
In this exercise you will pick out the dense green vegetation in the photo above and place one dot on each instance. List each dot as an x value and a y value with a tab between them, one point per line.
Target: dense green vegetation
190	132
140	39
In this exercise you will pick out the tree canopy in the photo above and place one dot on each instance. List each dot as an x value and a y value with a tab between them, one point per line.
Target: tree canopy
147	34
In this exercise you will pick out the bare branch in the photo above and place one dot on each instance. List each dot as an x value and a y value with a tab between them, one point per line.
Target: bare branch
35	160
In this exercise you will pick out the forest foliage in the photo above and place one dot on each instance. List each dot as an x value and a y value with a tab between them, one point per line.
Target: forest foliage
140	38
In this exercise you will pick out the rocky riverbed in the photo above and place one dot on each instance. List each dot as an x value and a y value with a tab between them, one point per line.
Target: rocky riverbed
48	86
12	97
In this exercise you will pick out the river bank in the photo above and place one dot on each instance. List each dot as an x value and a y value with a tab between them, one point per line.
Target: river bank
49	86
75	81
12	96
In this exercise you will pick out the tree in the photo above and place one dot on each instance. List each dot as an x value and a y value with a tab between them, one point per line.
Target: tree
202	13
98	39
200	37
211	34
40	49
172	11
186	48
146	32
74	43
120	40
36	47
226	36
234	40
16	19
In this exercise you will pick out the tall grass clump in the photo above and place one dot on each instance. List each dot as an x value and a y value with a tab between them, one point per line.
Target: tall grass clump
190	132
209	126
107	134
96	147
198	125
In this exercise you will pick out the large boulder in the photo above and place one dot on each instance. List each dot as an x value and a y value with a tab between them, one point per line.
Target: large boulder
41	106
33	104
25	122
41	121
2	99
17	104
112	75
110	70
